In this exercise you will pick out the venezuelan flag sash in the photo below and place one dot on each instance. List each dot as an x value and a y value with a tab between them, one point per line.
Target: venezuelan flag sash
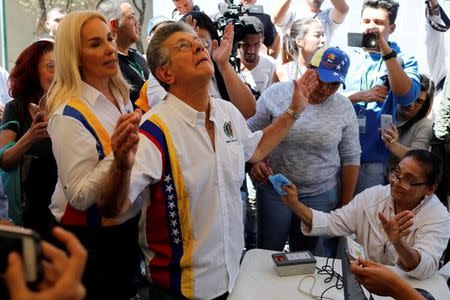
78	110
168	220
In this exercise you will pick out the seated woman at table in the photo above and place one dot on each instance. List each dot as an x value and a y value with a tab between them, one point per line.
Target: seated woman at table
401	224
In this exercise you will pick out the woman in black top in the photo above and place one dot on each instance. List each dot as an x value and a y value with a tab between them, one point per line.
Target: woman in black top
32	153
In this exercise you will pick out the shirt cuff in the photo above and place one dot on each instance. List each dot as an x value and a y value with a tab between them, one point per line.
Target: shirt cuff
422	270
319	224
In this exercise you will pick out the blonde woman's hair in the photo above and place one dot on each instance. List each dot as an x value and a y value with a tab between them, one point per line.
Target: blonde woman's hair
67	81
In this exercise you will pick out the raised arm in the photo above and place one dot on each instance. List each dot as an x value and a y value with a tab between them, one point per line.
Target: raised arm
275	133
435	46
274	49
399	81
238	91
280	12
340	10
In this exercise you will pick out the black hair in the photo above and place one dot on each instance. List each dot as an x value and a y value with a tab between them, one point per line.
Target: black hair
431	163
391	6
426	85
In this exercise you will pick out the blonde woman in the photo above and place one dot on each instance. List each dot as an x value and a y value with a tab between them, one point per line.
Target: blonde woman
84	103
305	38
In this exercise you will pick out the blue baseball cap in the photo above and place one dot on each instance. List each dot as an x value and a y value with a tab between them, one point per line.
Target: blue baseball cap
153	22
332	64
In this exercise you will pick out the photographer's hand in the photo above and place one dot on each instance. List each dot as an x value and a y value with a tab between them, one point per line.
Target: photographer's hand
221	54
63	273
383	46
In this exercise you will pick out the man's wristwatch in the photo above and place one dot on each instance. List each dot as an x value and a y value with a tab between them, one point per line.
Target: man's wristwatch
390	55
294	114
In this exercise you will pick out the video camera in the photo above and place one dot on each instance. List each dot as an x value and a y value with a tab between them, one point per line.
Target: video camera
233	13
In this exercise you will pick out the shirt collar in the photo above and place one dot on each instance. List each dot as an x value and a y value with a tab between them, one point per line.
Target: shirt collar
187	113
92	95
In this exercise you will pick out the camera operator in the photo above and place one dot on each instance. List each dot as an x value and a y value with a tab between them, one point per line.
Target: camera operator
271	37
330	18
256	70
375	95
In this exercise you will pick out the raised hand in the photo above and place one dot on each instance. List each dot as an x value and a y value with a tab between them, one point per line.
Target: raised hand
398	226
221	54
125	138
383	46
303	87
192	22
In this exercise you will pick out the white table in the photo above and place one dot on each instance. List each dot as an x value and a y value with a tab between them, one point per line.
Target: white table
258	280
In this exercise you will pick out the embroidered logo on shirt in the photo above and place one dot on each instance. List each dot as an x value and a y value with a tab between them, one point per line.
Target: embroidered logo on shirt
228	129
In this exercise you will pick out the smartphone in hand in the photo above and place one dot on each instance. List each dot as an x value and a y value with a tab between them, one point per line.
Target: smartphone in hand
362	40
25	242
386	121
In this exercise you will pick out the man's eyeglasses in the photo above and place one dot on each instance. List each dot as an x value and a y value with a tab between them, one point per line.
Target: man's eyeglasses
403	182
186	45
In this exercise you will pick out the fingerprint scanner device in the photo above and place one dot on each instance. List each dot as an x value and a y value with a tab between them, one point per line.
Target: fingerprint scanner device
294	263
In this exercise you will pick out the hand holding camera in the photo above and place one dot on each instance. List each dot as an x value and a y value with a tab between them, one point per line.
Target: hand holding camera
370	40
382	44
61	272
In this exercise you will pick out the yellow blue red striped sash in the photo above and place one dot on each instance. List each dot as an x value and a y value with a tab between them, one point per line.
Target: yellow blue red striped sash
78	110
168	218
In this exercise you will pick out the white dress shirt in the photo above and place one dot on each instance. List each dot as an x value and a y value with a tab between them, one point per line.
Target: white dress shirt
212	177
75	151
429	233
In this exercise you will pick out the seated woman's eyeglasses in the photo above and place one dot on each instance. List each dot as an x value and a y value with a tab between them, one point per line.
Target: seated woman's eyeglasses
403	182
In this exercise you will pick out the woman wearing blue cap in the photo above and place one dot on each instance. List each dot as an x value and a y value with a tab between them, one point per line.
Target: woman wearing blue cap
320	155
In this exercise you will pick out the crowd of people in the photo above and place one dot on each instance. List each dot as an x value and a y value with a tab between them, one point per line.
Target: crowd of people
128	161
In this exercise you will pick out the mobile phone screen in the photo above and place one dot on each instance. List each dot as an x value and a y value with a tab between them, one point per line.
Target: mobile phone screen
386	121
